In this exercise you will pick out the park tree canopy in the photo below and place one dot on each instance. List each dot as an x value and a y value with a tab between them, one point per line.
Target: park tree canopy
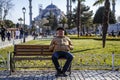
98	18
9	24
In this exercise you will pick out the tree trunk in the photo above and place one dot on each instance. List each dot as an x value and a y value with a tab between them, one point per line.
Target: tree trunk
78	18
105	21
63	25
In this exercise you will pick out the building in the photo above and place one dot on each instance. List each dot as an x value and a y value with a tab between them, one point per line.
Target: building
111	28
115	28
44	13
41	19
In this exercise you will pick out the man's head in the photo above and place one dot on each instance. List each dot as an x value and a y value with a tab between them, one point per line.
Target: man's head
60	28
60	31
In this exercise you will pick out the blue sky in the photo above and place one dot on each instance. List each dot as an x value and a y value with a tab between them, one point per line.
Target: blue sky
16	11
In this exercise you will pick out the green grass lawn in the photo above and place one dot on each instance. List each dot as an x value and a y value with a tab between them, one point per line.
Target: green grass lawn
86	51
88	46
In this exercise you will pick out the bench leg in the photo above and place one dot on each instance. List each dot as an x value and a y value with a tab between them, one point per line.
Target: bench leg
69	69
12	64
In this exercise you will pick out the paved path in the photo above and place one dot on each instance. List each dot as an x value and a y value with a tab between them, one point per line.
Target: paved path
49	75
13	41
17	41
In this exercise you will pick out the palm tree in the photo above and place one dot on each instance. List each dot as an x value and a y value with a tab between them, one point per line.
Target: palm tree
78	14
105	18
20	19
101	1
63	21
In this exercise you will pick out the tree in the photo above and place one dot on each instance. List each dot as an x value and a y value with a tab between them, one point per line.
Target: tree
52	21
55	23
1	8
86	17
5	6
17	25
78	14
63	21
101	1
20	20
105	18
98	18
9	24
1	23
69	20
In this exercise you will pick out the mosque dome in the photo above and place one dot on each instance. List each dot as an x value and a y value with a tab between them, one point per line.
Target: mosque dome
44	13
51	6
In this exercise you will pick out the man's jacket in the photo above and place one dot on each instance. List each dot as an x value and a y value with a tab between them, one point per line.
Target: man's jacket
61	44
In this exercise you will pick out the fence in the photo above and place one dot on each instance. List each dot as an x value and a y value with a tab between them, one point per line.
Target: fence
3	62
97	61
83	61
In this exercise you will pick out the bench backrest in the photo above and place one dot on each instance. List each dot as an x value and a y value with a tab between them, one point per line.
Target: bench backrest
32	50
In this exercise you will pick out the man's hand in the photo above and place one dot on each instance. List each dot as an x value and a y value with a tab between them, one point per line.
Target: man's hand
70	47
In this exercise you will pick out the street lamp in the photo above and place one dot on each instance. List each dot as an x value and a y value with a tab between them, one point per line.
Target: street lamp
24	10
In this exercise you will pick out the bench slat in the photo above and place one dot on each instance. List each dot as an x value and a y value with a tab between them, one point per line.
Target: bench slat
31	46
33	50
32	54
33	58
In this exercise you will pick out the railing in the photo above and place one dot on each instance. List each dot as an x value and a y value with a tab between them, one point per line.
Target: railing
3	62
97	61
85	61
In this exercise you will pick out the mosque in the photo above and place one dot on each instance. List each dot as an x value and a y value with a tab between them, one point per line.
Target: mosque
41	19
44	13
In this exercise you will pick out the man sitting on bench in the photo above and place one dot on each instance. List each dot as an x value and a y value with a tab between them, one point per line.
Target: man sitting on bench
61	45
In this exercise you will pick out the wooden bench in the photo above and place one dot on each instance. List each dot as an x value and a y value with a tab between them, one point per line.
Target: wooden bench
26	52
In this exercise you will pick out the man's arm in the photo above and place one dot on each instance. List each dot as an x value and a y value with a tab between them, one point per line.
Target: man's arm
51	47
70	44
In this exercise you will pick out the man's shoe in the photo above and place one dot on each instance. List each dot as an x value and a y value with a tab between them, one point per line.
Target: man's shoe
64	74
58	74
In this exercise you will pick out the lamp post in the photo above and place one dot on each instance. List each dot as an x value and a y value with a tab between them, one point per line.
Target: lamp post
24	10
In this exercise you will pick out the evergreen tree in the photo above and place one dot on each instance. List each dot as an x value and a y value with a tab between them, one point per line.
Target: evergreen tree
98	18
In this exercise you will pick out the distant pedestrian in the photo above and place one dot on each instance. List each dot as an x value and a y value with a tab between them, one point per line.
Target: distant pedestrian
17	34
35	35
113	33
21	33
118	33
8	35
3	33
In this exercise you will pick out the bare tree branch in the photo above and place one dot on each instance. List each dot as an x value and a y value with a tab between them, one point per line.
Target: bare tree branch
5	6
